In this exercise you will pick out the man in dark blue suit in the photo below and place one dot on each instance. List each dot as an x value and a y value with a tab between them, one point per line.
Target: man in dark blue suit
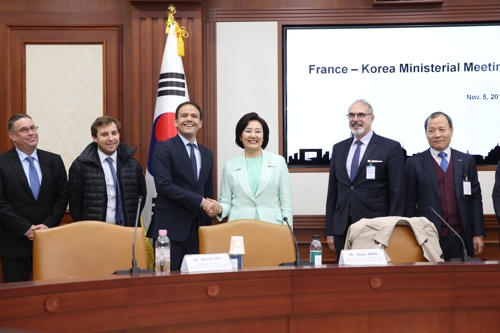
446	180
182	171
33	196
366	177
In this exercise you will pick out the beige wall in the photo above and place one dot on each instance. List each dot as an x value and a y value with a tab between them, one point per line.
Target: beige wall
64	85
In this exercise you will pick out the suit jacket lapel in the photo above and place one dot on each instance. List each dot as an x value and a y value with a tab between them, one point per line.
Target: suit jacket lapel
185	157
240	169
45	169
266	171
372	145
344	155
458	171
428	165
205	168
18	169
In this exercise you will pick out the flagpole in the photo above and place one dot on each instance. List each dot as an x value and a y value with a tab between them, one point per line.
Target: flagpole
172	91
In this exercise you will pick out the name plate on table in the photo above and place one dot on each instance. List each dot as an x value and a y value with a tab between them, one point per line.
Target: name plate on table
193	263
363	257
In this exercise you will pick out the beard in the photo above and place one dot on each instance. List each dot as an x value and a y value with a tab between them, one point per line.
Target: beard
359	131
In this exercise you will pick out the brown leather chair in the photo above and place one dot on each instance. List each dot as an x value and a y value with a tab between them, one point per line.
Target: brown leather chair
403	246
266	244
85	249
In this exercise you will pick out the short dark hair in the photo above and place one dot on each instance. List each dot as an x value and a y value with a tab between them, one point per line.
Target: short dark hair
437	114
104	120
188	103
243	123
14	118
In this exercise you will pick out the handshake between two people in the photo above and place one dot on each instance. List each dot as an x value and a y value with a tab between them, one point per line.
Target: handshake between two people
211	207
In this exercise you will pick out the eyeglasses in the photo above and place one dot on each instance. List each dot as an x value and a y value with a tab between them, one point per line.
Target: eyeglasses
360	115
26	130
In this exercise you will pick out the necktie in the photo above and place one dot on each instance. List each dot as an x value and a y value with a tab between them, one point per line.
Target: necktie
444	162
119	216
193	161
355	161
34	180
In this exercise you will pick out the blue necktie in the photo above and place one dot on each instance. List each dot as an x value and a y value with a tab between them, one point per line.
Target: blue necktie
444	162
34	180
119	216
355	161
193	161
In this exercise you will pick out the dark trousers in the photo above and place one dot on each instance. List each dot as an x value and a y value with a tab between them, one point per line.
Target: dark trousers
339	240
189	246
16	269
451	246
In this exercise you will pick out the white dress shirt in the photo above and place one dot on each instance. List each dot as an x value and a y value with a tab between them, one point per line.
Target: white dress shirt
110	185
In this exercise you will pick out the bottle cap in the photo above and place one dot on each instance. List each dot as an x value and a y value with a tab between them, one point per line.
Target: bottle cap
237	246
162	232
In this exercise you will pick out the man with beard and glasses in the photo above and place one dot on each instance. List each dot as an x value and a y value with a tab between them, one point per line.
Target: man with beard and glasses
367	177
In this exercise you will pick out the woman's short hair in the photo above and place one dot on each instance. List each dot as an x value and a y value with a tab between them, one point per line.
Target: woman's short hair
243	123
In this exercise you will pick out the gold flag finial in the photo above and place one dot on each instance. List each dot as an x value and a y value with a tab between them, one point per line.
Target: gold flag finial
171	10
179	31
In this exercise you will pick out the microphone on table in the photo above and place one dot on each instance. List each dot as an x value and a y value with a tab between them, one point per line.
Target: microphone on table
135	270
298	261
465	256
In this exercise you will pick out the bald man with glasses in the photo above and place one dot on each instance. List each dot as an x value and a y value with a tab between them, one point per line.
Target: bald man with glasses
367	177
33	196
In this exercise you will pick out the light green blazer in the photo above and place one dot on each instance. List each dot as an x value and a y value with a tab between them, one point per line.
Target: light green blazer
273	199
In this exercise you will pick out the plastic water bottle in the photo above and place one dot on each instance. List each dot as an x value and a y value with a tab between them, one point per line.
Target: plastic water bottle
162	253
316	252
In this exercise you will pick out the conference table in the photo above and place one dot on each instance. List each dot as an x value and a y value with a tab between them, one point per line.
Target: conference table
420	297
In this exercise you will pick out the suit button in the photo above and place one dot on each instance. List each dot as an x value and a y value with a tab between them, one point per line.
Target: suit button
352	187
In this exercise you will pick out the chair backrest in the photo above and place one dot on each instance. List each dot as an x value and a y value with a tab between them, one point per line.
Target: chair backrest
403	246
266	244
85	249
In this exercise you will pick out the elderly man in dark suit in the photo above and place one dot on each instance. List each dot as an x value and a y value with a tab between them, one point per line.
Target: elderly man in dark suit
182	171
33	196
366	179
446	180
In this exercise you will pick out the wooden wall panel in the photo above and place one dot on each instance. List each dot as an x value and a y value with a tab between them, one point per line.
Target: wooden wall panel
148	44
109	37
24	22
5	91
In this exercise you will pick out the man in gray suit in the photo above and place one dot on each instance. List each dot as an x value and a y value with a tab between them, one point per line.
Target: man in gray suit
367	177
446	180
